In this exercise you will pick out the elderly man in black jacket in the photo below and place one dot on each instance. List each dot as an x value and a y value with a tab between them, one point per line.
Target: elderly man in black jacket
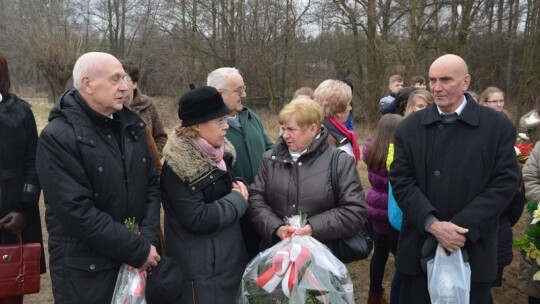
452	176
96	172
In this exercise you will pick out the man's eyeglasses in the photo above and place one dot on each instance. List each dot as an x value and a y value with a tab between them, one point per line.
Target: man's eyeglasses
239	90
496	101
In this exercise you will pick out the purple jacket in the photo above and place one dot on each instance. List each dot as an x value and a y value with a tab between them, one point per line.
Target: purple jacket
377	196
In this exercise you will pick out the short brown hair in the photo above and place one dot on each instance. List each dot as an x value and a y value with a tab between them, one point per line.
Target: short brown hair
395	78
418	79
334	96
307	112
304	91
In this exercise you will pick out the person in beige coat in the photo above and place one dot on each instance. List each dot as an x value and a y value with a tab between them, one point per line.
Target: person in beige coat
527	267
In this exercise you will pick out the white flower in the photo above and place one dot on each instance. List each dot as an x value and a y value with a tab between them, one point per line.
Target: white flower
536	216
517	151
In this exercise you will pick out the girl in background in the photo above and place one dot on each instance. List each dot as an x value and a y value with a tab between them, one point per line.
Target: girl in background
374	154
418	100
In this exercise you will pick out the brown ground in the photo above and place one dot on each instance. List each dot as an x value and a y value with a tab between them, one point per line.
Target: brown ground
359	271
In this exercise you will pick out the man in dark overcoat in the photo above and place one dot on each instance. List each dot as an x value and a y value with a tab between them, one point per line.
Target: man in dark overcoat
96	173
452	176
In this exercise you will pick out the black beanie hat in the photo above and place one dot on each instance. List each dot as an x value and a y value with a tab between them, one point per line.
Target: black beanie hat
201	105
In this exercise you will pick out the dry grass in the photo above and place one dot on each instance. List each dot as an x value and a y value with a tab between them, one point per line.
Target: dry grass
359	271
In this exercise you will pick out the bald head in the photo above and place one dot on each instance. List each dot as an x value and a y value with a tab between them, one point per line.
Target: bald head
448	80
100	80
452	60
88	65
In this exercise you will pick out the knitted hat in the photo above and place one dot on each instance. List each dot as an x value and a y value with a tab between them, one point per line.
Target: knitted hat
201	105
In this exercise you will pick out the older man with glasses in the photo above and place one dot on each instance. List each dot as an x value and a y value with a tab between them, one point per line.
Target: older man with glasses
246	134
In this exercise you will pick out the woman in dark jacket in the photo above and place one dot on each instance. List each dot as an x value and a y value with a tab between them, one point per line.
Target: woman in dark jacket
19	186
203	202
295	177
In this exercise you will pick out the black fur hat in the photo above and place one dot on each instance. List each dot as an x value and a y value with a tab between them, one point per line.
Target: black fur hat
201	105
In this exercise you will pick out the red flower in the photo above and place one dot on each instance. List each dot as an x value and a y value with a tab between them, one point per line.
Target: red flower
525	149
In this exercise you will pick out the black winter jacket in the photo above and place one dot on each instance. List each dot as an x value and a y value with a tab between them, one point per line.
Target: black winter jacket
19	186
91	186
202	222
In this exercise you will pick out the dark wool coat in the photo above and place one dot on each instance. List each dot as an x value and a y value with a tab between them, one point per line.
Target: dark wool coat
202	223
284	188
464	172
95	172
377	196
19	186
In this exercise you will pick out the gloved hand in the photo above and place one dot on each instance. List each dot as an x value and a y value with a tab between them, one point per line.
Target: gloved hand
14	222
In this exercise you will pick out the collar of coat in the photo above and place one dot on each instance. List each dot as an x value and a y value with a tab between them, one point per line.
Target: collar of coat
72	107
12	111
140	101
316	148
188	162
470	114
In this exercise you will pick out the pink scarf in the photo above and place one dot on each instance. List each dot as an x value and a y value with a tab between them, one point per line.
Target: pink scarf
348	134
216	154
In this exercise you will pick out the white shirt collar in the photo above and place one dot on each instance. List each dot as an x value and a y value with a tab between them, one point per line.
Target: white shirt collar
459	109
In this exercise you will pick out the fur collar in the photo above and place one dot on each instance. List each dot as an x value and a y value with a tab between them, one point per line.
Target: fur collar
140	101
188	162
12	111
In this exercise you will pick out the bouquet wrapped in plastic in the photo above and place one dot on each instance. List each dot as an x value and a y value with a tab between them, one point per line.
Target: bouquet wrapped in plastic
131	282
299	269
130	286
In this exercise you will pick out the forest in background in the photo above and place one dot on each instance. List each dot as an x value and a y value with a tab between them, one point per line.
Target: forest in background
278	45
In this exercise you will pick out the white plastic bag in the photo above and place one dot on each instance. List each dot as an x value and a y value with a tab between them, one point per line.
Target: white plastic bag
130	286
449	277
299	269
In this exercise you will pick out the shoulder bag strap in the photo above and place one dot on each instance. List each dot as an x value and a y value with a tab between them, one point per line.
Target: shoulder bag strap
333	173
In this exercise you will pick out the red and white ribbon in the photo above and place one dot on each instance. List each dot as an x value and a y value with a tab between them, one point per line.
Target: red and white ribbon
285	267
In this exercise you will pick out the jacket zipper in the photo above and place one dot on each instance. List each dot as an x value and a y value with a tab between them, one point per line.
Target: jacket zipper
202	177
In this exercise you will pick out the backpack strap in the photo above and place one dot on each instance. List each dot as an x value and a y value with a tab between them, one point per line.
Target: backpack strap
333	173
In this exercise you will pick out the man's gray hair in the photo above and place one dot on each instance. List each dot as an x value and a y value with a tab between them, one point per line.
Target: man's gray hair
83	66
218	78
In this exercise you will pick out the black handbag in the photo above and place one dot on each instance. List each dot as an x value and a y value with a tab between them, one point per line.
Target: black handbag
359	245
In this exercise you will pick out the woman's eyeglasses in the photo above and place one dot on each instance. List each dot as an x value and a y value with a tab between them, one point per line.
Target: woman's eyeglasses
221	122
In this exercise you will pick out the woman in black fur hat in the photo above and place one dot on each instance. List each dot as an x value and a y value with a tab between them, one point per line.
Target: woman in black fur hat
203	202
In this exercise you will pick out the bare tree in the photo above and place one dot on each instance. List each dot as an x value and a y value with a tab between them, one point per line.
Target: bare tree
42	31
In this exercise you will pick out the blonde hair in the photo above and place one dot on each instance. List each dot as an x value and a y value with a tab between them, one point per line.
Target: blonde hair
411	102
307	112
488	91
334	96
188	131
